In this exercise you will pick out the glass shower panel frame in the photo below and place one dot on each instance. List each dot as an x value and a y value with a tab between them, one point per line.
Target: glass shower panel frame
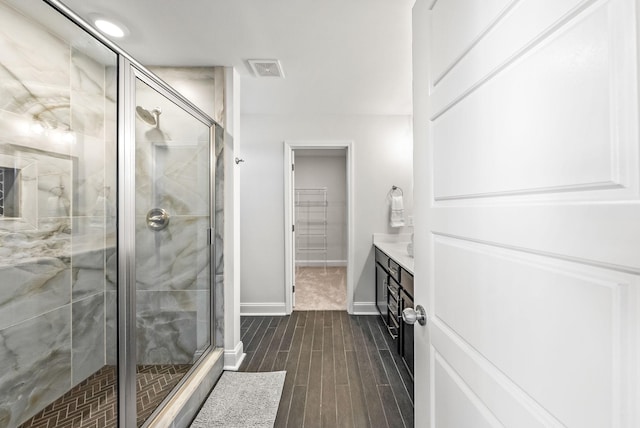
130	73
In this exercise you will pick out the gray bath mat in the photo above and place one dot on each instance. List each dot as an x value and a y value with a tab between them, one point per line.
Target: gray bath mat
242	400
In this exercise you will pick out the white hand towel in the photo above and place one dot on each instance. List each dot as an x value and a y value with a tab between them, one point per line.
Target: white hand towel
397	211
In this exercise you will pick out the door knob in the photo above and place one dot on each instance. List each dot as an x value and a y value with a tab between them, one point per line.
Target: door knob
410	315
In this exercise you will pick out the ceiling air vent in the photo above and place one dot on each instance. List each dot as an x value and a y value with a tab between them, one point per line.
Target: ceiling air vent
266	67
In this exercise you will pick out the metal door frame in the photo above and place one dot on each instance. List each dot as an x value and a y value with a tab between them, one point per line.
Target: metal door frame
128	73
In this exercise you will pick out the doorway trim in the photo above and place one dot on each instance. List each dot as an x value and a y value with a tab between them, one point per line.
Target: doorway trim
289	147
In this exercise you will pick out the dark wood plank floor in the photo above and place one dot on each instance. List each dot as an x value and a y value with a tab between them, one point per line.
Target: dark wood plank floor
342	370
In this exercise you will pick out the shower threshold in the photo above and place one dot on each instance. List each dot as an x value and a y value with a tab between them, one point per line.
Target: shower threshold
93	402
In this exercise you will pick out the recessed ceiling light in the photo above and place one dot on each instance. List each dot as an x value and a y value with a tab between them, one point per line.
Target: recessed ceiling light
110	28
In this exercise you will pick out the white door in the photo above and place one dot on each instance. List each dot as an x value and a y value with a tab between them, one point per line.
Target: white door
527	213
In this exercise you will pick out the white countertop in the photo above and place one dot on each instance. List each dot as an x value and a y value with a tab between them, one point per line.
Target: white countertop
395	246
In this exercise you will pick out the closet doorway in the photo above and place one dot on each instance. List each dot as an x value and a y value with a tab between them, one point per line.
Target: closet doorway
318	226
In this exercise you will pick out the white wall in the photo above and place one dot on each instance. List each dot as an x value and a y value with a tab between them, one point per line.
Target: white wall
233	353
382	150
317	171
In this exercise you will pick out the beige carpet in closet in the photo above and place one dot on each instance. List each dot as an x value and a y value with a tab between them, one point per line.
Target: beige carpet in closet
319	288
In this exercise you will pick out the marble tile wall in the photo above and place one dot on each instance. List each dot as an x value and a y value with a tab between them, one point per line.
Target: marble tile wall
173	271
36	364
219	238
57	126
172	291
203	86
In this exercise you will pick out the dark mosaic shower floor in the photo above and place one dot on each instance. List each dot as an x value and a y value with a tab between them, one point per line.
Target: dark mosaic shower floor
92	403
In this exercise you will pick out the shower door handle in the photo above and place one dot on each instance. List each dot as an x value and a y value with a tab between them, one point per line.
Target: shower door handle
157	219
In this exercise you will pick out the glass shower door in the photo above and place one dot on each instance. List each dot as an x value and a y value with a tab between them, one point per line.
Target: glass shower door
172	250
58	175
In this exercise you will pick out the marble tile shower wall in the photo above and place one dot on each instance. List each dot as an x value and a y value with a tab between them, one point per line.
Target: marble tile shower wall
57	255
204	86
219	236
172	265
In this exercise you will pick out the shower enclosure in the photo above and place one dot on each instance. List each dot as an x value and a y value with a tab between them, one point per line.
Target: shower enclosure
107	178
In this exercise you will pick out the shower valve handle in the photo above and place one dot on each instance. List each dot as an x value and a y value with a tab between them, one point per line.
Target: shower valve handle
157	219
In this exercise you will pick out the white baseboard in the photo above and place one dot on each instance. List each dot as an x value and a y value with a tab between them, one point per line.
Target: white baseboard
262	309
365	308
321	263
233	358
274	309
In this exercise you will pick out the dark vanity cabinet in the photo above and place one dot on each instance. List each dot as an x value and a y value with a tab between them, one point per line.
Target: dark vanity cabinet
387	292
394	292
393	321
405	344
382	294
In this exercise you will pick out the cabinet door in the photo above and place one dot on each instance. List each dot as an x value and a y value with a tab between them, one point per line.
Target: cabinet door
406	334
382	279
393	304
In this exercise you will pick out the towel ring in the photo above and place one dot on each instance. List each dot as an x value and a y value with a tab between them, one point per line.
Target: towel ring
396	189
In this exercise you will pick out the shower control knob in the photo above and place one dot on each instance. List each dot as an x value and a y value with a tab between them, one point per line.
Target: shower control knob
157	219
410	315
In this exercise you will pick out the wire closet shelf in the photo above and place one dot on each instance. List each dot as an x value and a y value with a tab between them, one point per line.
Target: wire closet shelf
311	225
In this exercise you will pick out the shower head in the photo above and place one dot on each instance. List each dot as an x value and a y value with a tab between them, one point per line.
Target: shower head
148	117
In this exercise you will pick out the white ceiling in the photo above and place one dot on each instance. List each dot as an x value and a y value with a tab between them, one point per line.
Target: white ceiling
338	56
